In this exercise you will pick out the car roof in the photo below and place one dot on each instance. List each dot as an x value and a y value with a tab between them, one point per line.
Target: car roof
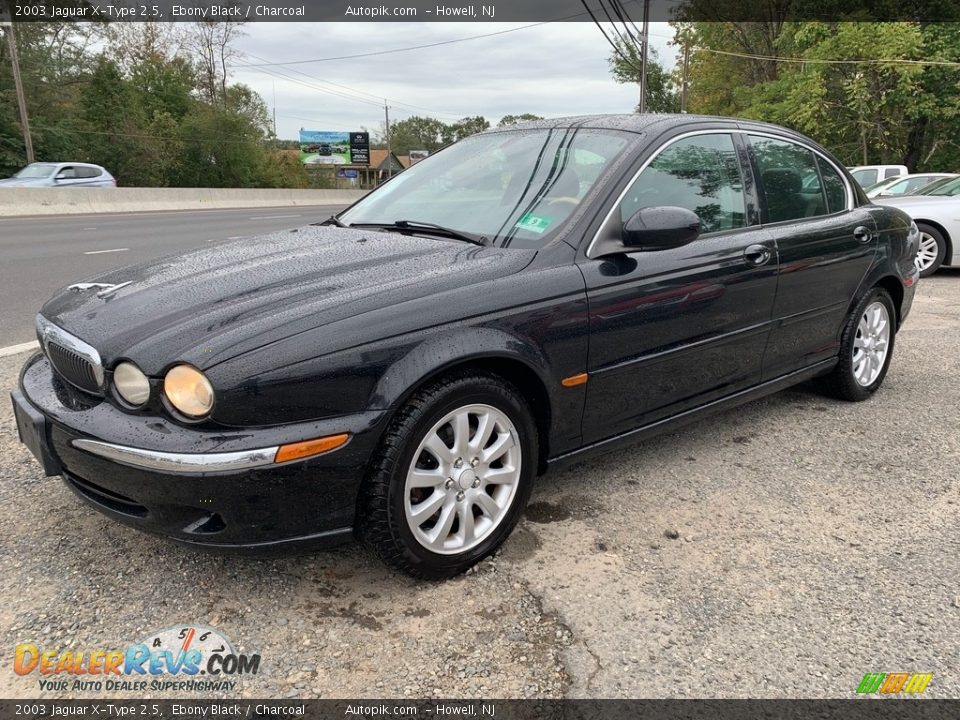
652	123
69	162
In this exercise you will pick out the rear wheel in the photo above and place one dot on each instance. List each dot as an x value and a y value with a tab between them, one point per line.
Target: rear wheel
452	476
932	251
866	348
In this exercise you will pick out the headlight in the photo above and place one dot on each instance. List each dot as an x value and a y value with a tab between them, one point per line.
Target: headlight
131	384
188	390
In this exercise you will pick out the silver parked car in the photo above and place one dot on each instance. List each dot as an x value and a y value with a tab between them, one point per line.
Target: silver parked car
937	215
905	184
69	174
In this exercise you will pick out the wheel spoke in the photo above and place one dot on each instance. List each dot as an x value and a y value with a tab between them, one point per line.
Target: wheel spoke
442	529
485	427
425	478
487	504
461	433
438	448
503	443
420	512
500	476
467	530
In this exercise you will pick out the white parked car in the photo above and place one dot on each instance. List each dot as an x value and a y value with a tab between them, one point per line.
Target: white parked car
905	184
938	218
868	175
68	174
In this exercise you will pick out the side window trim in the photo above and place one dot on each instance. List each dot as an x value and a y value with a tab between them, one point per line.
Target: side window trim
819	157
665	145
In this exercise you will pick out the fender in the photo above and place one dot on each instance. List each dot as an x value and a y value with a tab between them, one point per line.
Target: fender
495	348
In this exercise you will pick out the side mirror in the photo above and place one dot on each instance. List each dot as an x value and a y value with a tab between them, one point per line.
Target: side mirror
660	228
60	176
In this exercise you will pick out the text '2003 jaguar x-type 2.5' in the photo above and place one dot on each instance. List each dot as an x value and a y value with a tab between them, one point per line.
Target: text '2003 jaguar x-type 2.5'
403	371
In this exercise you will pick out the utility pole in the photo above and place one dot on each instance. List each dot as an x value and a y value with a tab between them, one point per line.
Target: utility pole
274	109
386	117
686	70
21	99
643	57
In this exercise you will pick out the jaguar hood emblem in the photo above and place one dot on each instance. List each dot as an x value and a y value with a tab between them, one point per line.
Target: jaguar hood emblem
105	289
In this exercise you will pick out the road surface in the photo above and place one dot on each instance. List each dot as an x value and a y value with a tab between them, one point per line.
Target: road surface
41	254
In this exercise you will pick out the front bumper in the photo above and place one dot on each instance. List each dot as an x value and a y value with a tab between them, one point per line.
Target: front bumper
219	489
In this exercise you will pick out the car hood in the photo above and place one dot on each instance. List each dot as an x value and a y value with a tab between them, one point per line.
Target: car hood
17	182
212	304
913	200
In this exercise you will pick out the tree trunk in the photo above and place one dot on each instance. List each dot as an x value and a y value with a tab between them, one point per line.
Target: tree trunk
915	141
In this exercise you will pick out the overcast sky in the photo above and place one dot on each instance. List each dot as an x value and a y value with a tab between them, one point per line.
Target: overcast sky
550	70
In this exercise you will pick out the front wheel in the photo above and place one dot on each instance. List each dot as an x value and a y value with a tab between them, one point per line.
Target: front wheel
451	477
866	348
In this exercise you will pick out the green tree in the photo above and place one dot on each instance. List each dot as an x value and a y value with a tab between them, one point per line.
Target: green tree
625	66
514	119
416	133
464	128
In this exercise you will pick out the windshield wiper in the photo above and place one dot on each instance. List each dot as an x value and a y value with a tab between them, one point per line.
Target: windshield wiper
333	220
427	228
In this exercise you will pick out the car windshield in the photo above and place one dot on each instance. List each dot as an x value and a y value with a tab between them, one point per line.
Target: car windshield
880	185
36	170
514	188
948	187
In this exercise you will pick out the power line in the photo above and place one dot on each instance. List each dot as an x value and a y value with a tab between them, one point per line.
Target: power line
378	98
407	49
612	43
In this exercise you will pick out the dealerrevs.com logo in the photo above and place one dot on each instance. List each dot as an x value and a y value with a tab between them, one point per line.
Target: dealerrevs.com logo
190	658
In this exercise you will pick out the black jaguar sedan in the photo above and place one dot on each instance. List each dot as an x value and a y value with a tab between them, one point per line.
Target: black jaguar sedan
403	371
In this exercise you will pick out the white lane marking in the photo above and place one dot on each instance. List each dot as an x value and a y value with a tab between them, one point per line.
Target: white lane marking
235	237
17	349
274	217
89	228
101	252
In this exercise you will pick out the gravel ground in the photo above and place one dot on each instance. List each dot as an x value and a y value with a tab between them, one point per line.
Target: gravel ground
780	550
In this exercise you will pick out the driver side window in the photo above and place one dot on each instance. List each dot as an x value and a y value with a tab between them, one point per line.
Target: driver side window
700	173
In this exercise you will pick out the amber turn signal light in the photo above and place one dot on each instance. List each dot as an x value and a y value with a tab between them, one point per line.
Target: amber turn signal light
308	448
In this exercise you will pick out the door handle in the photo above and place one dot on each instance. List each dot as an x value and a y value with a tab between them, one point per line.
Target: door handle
757	255
862	234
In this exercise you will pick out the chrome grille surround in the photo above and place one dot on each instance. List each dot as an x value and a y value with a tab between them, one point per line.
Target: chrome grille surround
75	361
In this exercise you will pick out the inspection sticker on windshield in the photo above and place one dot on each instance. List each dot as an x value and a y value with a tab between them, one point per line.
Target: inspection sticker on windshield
533	223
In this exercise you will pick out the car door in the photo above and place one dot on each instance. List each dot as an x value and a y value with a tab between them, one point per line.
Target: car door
826	246
671	329
67	176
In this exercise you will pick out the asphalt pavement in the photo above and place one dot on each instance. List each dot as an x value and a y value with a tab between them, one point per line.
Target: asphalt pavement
40	254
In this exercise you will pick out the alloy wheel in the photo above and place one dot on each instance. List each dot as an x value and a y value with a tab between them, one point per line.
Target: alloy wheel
871	344
463	479
928	252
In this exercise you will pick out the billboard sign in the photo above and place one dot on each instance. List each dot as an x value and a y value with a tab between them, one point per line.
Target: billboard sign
360	148
325	147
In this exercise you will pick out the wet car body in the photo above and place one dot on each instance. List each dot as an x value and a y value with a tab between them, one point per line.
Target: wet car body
326	330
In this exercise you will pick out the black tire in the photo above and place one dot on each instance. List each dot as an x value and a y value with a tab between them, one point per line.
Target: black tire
382	520
842	382
941	241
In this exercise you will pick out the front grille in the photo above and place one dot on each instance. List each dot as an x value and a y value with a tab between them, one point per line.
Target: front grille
74	361
74	368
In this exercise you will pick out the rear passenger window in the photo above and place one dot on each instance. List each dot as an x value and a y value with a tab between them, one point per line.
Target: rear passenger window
833	186
791	180
87	172
699	173
891	172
